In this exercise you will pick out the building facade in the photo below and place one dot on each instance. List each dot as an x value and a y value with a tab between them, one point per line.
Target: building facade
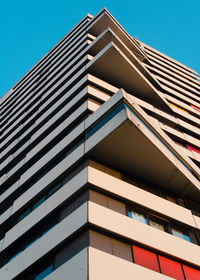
100	162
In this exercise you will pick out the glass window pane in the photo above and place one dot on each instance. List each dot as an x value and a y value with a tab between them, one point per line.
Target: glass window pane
44	273
24	214
49	229
171	268
38	202
54	189
139	217
15	255
104	120
156	225
145	258
33	241
130	214
180	234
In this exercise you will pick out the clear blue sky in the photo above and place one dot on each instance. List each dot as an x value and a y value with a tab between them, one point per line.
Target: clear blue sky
30	28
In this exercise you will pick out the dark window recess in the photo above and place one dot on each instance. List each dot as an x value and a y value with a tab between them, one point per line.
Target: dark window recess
192	205
29	239
163	264
39	201
163	224
42	227
154	189
61	255
45	272
105	119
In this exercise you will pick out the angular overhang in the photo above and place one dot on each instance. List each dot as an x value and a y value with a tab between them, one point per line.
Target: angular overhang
113	66
104	20
127	143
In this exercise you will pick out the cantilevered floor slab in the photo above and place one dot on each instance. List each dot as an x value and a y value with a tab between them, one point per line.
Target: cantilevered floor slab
113	66
128	143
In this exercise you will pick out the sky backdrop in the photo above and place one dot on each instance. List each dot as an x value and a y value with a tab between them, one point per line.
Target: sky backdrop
30	28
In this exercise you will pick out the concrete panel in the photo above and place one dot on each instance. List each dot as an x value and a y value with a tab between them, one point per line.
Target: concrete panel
53	152
58	102
71	249
5	215
187	116
98	93
75	268
107	267
116	206
122	250
71	91
197	221
7	193
135	194
45	244
131	229
107	202
77	202
5	162
65	76
111	246
104	108
1	244
48	178
46	207
115	122
92	106
186	125
59	128
10	146
75	74
101	242
16	167
98	198
101	83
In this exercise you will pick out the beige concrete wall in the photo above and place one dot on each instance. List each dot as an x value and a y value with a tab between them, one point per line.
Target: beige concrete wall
125	227
107	202
103	266
136	195
110	245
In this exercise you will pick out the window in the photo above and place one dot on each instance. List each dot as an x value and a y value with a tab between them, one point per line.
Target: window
39	201
137	216
44	273
171	268
156	225
24	214
180	234
145	258
161	224
32	238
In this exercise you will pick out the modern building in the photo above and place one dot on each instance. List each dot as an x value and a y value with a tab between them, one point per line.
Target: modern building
100	162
